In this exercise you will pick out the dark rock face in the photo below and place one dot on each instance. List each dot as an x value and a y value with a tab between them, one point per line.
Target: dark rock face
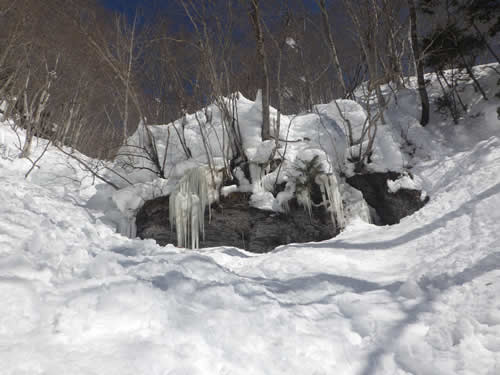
235	223
390	207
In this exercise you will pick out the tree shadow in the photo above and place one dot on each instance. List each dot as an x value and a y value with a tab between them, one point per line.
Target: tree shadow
374	358
489	263
318	280
442	282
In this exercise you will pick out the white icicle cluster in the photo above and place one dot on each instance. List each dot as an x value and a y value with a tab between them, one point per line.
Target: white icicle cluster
331	198
304	199
187	207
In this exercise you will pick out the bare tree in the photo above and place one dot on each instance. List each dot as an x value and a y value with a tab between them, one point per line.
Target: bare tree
33	103
126	46
365	16
393	31
419	63
213	36
331	45
256	19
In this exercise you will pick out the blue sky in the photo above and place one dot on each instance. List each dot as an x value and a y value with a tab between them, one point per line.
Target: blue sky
129	6
148	6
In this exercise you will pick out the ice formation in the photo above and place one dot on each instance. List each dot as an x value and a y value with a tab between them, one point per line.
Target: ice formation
284	197
331	198
187	207
304	199
128	227
256	175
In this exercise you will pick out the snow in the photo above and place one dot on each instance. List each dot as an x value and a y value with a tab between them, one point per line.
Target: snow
291	42
263	152
419	297
405	181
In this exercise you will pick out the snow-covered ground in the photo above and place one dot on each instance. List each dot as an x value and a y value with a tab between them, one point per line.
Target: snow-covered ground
419	297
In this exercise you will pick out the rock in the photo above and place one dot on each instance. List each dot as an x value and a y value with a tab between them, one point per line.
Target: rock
235	223
391	207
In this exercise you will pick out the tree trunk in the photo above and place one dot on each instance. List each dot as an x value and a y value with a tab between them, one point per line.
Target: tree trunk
367	36
262	61
488	46
472	76
331	44
419	65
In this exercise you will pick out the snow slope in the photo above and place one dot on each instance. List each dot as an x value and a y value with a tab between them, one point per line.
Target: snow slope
420	297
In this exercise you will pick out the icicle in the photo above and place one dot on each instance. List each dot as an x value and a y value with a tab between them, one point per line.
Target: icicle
367	214
336	200
132	231
187	207
256	176
172	211
180	202
322	181
196	219
304	199
127	226
331	198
